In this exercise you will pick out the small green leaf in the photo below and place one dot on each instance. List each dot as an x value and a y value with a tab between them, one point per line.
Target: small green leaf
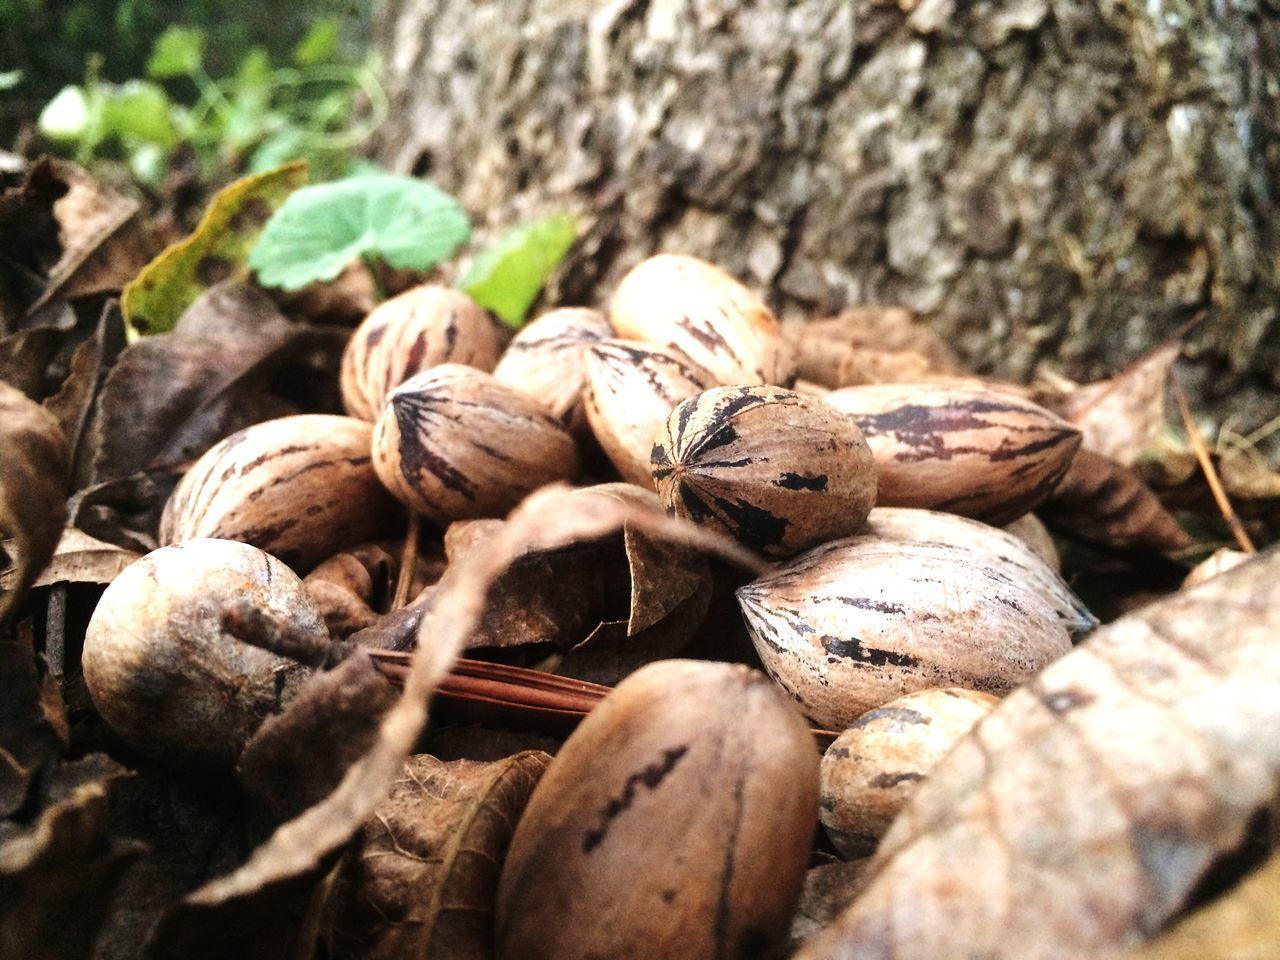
408	223
217	250
178	53
319	44
66	116
10	79
140	111
507	276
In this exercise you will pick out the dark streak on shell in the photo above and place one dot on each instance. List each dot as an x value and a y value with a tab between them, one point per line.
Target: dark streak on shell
918	599
965	450
455	443
777	470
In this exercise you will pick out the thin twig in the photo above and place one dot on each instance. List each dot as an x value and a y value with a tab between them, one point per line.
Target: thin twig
408	563
1206	464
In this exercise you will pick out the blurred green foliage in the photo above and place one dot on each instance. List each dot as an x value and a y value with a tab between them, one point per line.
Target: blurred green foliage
46	45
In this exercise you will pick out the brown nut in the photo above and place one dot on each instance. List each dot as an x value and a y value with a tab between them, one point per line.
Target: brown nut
974	451
692	788
917	599
632	389
777	470
454	443
300	488
872	769
686	303
547	359
163	666
409	333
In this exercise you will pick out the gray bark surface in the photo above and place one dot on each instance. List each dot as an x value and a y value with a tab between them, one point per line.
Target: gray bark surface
1041	179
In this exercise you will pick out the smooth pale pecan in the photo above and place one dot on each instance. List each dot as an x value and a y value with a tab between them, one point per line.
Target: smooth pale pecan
687	303
632	389
778	470
547	359
691	788
409	333
871	770
455	443
917	599
969	450
301	488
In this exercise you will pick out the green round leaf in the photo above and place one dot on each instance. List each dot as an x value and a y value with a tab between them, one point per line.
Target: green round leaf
66	116
507	276
177	53
405	222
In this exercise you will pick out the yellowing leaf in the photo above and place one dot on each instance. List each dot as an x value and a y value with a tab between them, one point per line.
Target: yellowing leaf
217	250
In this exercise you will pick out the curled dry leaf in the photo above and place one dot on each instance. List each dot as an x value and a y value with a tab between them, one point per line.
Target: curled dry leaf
607	606
1102	502
918	599
33	723
299	488
686	303
409	333
79	558
869	345
423	875
776	470
969	450
355	588
1122	417
547	360
58	876
632	389
33	469
693	788
1095	797
297	847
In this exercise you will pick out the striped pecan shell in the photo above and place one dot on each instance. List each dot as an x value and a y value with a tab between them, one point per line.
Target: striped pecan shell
683	302
548	360
917	599
300	488
409	333
967	450
455	443
778	470
632	389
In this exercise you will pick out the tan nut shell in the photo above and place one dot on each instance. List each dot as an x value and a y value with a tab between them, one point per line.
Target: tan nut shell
683	302
410	333
972	451
872	769
632	389
547	359
675	822
301	488
164	673
917	599
777	470
454	443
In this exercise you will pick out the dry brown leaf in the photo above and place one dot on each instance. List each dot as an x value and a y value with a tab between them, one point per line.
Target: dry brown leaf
1122	417
1077	817
1103	502
58	876
33	725
80	558
423	877
869	345
33	469
1243	925
299	846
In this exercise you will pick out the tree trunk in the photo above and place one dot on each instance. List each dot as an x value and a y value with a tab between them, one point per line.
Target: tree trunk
1043	180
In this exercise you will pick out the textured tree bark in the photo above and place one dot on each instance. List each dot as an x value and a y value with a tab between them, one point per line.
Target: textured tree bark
1040	178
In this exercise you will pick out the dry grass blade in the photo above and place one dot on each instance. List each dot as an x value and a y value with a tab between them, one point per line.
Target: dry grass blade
1210	474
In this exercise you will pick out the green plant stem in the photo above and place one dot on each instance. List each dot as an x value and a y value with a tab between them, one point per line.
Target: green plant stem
372	264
